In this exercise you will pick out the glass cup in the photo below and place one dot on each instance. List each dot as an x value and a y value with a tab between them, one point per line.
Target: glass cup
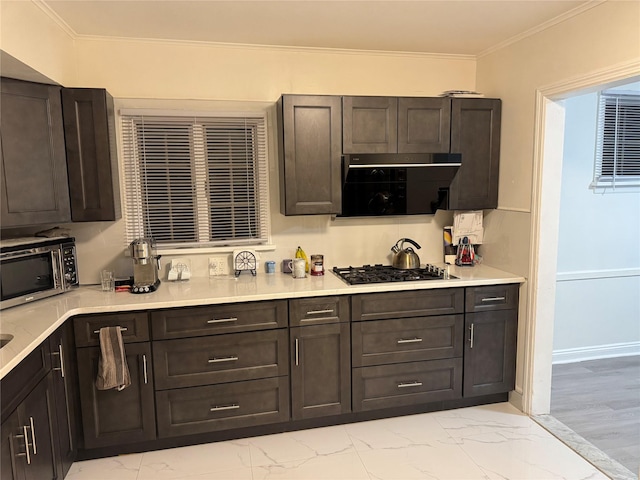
298	268
108	281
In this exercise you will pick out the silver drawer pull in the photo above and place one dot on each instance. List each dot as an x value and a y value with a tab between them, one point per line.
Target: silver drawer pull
26	444
319	312
222	320
60	355
235	406
409	384
409	340
33	436
494	299
122	329
232	358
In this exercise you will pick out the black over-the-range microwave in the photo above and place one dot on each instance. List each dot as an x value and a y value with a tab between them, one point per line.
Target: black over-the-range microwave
36	268
397	184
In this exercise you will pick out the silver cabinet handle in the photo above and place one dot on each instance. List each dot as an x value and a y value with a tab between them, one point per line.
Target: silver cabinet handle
231	358
409	384
409	340
493	299
222	320
297	352
33	436
235	406
144	369
471	336
60	355
122	329
26	444
319	312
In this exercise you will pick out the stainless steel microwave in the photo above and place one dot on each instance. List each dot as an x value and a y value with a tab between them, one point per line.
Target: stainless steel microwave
36	268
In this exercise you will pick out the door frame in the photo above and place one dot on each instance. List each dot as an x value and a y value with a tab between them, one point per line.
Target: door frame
545	212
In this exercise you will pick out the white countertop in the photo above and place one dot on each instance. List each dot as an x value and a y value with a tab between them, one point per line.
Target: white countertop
32	323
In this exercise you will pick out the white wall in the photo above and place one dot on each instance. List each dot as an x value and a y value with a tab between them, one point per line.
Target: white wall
597	304
28	34
602	38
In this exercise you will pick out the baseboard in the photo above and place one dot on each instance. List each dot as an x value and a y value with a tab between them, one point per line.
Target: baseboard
571	355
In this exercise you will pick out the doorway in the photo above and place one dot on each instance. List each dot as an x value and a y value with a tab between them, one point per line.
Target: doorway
547	187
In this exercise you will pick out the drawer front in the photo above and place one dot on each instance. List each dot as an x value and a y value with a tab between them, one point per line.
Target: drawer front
314	311
388	386
232	357
135	327
189	411
209	320
407	340
416	303
494	297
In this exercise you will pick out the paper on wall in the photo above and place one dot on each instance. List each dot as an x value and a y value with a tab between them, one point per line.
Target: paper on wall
468	224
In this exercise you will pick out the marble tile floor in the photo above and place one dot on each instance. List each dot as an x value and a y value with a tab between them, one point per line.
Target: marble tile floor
492	442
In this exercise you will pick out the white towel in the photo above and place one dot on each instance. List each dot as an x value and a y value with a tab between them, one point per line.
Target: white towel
113	371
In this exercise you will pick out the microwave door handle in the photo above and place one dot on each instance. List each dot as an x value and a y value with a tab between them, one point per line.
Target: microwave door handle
56	267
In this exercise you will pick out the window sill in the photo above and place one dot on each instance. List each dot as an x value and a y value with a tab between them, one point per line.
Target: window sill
215	250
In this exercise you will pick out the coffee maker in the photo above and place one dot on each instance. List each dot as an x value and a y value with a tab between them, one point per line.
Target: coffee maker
146	265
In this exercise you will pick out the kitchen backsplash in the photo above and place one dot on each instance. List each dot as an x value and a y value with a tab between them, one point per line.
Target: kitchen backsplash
343	242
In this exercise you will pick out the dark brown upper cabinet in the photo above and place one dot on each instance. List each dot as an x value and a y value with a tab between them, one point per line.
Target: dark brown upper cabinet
475	133
92	163
309	148
396	125
33	170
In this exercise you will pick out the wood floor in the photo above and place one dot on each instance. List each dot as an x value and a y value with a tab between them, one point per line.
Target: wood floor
600	401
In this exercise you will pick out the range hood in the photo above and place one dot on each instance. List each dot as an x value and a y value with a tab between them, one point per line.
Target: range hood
373	160
397	184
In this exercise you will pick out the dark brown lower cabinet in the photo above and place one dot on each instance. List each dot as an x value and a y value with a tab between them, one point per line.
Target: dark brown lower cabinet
65	393
490	352
400	384
28	448
11	446
111	417
187	411
320	370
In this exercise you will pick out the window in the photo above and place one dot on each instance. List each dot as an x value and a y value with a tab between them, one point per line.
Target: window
193	181
617	162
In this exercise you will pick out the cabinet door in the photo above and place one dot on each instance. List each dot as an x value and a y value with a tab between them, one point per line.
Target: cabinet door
320	370
36	415
89	130
65	393
111	417
12	449
33	169
490	352
475	133
424	125
309	138
369	125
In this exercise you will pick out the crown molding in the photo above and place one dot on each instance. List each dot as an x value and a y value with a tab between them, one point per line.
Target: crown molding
543	26
64	26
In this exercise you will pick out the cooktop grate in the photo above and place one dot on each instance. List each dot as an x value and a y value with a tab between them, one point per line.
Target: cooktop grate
387	273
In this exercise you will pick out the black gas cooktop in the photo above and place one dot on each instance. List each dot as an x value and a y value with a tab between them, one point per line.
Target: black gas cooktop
387	273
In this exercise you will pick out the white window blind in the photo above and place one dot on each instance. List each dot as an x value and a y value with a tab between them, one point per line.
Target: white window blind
617	162
194	181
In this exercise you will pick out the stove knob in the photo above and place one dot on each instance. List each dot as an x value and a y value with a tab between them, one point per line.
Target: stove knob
146	289
135	289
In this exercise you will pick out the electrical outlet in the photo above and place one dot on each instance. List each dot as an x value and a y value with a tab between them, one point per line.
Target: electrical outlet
218	266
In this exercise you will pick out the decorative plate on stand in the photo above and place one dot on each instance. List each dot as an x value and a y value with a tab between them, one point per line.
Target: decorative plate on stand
245	260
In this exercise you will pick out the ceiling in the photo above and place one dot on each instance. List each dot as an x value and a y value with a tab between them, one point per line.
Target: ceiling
459	27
